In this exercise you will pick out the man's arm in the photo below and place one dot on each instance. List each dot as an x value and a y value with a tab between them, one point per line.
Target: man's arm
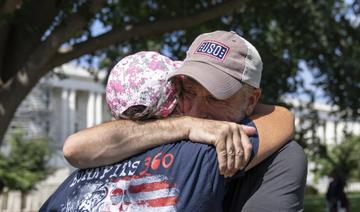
117	140
275	126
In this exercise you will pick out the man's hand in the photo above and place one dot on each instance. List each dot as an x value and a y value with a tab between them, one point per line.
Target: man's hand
231	141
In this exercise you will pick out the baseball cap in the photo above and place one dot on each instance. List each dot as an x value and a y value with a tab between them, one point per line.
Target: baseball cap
141	80
222	61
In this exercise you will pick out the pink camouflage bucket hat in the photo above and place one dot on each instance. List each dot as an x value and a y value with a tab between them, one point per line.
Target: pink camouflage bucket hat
141	80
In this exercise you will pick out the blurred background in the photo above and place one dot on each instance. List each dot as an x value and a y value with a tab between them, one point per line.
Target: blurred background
55	56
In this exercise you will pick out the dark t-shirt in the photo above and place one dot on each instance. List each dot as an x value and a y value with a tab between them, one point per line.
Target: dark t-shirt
182	176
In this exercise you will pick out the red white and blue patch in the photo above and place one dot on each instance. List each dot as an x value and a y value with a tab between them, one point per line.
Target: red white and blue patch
213	49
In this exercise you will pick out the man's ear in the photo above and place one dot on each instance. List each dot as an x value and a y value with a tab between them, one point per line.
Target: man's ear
252	101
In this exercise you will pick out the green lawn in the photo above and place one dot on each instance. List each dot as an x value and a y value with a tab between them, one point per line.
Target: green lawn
316	203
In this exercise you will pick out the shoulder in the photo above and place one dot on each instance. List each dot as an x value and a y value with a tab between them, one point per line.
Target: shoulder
292	161
294	153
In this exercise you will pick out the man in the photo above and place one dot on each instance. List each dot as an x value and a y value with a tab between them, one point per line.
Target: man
222	74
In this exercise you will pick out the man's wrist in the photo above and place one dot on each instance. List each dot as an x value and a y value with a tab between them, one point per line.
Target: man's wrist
171	129
181	125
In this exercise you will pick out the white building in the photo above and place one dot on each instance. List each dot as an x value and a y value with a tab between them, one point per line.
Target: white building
58	107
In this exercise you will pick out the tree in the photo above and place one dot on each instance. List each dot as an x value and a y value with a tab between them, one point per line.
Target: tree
25	164
36	36
31	33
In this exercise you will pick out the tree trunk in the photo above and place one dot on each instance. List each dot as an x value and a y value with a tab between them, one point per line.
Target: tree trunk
11	96
23	75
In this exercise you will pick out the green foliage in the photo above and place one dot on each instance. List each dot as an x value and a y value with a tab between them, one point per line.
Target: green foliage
25	164
345	158
311	190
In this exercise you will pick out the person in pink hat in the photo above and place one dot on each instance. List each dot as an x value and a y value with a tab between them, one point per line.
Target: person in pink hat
220	86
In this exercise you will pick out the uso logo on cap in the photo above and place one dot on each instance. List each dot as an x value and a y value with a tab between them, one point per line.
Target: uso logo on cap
213	49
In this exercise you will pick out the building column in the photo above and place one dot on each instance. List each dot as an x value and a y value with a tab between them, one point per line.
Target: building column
64	113
340	132
356	128
72	110
98	108
90	110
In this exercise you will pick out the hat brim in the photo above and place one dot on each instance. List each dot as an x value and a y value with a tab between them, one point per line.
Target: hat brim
220	84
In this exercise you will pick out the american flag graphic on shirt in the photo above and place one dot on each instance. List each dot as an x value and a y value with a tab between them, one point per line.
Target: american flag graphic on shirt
148	193
133	193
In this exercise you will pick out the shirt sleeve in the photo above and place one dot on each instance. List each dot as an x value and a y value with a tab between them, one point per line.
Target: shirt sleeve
254	140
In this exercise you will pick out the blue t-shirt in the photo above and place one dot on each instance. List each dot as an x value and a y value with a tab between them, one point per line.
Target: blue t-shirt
182	176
